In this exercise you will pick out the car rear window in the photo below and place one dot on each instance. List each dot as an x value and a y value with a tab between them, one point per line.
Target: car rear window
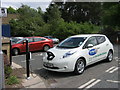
38	39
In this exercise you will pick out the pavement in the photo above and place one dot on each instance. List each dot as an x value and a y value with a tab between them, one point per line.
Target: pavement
33	82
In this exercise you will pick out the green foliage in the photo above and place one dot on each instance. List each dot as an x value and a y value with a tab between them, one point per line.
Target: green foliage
111	15
12	80
11	10
81	11
62	20
8	71
65	29
52	13
29	22
9	79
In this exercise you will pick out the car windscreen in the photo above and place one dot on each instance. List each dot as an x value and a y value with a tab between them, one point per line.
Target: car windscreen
20	41
72	42
15	40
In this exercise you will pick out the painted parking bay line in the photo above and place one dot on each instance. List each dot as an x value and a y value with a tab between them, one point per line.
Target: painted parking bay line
113	81
94	83
90	83
112	69
115	58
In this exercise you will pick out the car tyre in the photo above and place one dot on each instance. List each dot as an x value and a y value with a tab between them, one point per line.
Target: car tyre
109	56
79	66
15	51
46	47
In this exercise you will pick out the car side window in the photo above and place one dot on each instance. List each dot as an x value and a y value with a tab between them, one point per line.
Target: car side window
30	40
101	39
91	40
38	39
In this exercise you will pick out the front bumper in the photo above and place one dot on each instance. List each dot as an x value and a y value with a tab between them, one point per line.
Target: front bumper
60	65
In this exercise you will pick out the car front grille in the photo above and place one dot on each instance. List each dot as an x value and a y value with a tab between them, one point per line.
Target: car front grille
51	67
50	56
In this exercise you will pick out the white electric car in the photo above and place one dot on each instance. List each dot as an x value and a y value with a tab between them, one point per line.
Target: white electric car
77	52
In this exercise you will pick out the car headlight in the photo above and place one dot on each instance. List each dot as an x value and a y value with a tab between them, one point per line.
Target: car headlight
68	54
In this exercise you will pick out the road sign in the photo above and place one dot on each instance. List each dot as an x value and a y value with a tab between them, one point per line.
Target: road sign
3	12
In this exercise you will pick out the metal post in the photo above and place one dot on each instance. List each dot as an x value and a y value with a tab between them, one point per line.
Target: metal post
1	57
118	42
10	52
27	60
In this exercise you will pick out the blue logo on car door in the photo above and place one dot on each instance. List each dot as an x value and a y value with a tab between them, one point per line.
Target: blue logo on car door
92	52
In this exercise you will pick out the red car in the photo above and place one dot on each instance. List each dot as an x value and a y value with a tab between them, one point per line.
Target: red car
35	44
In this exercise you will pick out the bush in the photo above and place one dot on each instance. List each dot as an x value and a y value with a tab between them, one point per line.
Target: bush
12	80
8	71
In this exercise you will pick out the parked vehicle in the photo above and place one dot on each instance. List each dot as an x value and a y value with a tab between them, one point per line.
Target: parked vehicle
55	40
77	52
35	43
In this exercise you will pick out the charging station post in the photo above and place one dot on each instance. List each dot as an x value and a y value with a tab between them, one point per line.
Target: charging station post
10	52
27	59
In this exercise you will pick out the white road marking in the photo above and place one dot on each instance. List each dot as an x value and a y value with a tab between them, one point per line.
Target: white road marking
30	60
114	70
14	65
115	57
113	81
18	56
86	84
39	68
39	54
110	69
94	83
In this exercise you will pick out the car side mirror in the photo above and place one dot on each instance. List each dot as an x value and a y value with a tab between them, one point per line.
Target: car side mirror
89	45
24	42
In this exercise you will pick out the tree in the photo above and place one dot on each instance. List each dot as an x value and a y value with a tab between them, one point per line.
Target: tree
81	11
11	10
52	13
53	18
29	21
111	15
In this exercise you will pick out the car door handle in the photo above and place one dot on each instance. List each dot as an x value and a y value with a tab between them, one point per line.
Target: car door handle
31	44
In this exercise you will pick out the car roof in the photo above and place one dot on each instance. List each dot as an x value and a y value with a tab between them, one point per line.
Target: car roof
87	35
48	36
34	37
